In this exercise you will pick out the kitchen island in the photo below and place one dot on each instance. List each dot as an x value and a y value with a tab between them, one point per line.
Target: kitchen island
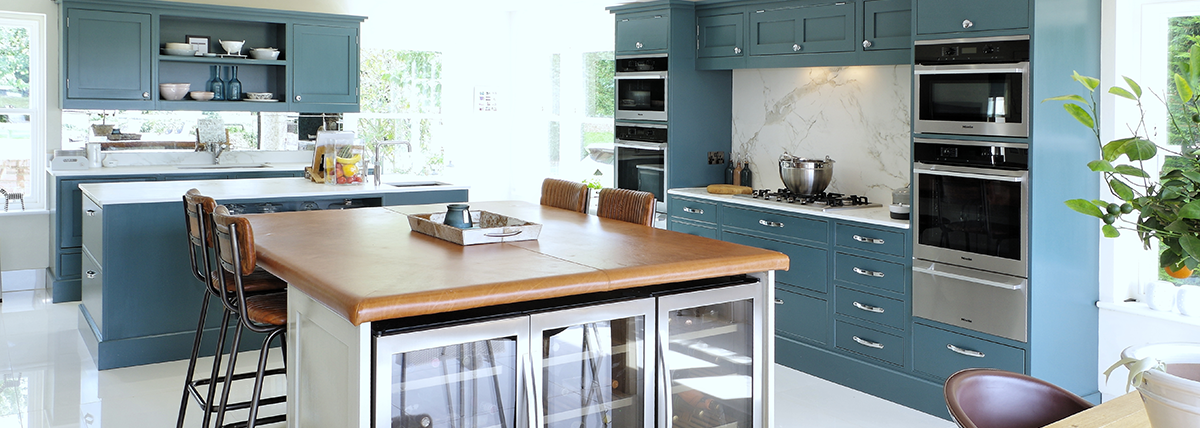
343	305
139	295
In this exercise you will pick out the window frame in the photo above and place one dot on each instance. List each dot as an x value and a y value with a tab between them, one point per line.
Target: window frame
35	24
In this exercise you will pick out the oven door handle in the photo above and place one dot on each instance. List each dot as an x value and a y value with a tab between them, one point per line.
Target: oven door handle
640	144
1005	178
1020	67
967	278
641	75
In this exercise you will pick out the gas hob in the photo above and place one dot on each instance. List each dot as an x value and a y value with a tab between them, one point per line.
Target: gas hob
821	201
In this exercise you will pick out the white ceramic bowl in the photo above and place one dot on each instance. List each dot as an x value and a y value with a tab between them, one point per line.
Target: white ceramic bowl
178	46
258	95
201	95
232	46
173	91
264	54
179	52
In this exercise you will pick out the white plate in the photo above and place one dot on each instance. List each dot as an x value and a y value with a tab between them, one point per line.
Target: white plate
259	101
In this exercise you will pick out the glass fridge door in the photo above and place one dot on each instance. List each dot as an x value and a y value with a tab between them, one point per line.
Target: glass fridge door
711	358
470	376
594	369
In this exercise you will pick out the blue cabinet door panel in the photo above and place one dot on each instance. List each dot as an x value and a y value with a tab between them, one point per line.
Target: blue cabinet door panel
642	33
720	36
808	264
869	272
829	28
872	343
70	203
885	311
108	55
940	353
950	16
774	225
799	316
691	228
776	31
881	241
887	24
329	65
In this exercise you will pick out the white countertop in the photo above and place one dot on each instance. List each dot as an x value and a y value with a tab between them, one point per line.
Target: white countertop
143	192
172	169
877	215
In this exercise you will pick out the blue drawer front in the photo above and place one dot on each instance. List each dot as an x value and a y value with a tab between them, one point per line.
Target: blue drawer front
692	228
870	272
872	343
801	317
692	209
869	307
808	265
777	225
933	356
69	264
875	240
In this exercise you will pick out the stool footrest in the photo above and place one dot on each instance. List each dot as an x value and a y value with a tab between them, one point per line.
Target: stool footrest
204	405
259	421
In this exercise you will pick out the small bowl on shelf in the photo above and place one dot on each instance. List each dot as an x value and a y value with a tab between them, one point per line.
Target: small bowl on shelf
179	52
234	47
173	45
201	95
258	96
173	91
264	53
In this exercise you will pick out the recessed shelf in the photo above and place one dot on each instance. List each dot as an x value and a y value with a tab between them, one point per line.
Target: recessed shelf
212	60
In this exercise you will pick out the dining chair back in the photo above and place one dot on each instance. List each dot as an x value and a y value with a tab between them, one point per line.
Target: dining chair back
989	398
626	205
568	195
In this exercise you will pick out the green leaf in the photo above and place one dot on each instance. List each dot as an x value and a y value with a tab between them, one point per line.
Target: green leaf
1113	149
1122	190
1084	206
1139	149
1121	92
1088	82
1101	166
1100	204
1191	175
1178	226
1080	114
1169	193
1131	171
1191	210
1110	231
1191	244
1075	98
1183	88
1137	89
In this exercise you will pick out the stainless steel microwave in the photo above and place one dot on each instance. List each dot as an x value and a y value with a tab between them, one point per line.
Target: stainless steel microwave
641	88
977	87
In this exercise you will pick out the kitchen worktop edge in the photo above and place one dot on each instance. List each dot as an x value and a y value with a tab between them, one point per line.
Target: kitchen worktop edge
171	169
144	192
878	216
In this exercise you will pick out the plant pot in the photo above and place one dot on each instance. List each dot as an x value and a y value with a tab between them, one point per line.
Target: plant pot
102	130
1172	398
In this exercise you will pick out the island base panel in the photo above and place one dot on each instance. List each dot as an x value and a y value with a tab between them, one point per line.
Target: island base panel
136	351
329	367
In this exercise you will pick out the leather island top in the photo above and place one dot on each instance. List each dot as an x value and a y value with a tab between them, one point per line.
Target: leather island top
367	265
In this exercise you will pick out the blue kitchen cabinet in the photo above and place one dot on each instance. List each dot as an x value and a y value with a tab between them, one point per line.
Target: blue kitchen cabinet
643	33
720	36
887	25
107	58
803	29
970	16
328	81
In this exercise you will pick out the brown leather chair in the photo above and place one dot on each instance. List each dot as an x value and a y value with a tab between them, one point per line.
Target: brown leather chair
626	205
568	195
988	398
237	279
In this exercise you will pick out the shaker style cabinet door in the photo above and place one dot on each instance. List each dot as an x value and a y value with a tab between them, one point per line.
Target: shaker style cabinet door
108	56
887	24
951	16
800	30
642	33
719	36
325	67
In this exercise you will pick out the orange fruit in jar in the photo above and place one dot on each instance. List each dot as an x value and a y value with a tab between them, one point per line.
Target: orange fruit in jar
1183	272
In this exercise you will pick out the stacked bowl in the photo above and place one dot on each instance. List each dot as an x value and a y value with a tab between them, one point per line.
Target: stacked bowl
173	91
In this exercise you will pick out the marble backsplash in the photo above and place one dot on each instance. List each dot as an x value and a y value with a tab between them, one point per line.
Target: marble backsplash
858	116
183	157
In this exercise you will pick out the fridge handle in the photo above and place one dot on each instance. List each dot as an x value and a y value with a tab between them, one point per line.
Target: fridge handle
665	376
534	406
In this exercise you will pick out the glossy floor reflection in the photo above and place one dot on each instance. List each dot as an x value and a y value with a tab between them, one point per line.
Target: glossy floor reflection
47	379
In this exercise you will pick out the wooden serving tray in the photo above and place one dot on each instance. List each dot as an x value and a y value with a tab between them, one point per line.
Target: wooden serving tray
489	228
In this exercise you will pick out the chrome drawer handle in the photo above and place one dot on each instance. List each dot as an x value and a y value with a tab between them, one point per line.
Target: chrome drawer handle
968	24
797	48
867	343
869	308
91	274
966	352
770	223
691	210
876	241
778	301
870	273
91	213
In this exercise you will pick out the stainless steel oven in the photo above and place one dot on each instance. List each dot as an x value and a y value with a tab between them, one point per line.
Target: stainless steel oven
640	151
974	87
641	88
970	234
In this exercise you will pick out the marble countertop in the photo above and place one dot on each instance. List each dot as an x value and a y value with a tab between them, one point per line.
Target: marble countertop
878	216
174	169
143	192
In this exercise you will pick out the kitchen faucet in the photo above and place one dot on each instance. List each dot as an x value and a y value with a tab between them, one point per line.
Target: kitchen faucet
377	173
216	149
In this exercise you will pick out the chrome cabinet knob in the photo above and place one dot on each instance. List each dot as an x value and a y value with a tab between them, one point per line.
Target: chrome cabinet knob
91	274
297	98
145	95
867	44
737	51
638	45
968	24
797	47
91	213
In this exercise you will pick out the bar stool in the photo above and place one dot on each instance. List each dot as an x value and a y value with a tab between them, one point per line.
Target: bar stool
626	205
260	313
568	195
198	211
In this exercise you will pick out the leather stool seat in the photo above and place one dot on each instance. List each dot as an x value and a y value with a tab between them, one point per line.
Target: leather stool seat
267	308
989	398
257	282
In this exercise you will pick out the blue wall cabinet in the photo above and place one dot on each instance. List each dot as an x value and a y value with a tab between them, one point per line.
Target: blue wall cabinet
643	33
954	16
330	71
803	30
108	58
887	25
720	36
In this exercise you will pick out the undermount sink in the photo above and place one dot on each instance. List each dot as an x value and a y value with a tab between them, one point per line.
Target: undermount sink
417	184
226	166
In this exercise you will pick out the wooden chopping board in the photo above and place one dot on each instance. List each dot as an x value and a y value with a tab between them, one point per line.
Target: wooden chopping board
728	189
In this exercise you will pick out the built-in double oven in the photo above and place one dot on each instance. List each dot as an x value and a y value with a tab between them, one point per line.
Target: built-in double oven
970	205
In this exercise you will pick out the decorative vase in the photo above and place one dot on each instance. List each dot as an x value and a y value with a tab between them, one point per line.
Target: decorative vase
458	215
233	89
212	77
1171	397
218	85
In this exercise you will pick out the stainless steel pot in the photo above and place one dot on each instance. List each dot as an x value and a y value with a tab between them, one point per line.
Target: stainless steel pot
805	176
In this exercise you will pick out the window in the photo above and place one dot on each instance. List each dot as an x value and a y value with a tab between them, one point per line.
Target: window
402	102
22	107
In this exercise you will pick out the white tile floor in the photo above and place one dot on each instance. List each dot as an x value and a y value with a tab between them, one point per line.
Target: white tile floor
47	379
